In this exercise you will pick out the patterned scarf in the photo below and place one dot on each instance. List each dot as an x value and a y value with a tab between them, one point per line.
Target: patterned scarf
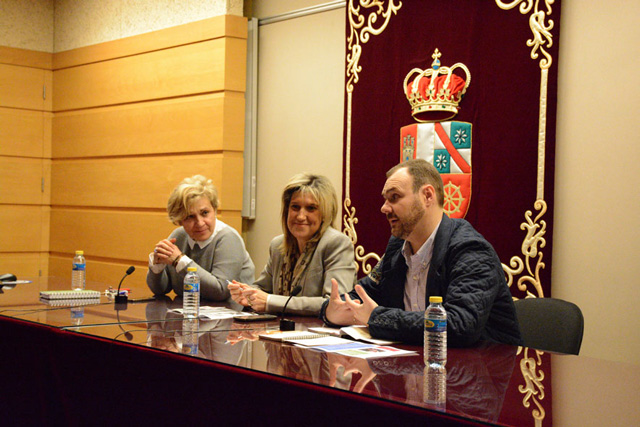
294	265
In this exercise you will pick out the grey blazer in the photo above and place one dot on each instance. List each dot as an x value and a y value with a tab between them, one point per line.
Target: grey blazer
333	259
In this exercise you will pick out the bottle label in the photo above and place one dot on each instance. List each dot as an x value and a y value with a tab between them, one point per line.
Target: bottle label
435	325
78	266
190	349
192	287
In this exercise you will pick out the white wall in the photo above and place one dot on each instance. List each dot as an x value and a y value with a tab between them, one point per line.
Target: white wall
597	222
300	111
27	24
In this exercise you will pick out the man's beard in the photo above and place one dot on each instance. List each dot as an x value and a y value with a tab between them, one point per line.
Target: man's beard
406	226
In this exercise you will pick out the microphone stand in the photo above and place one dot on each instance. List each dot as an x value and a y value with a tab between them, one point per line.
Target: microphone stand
286	324
121	300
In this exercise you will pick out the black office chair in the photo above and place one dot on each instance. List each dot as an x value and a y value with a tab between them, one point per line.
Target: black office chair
550	324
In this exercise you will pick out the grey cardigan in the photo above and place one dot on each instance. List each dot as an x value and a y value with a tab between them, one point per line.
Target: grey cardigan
224	258
333	259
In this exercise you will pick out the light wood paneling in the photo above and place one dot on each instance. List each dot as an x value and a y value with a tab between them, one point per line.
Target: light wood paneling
124	235
26	58
191	69
24	228
22	132
22	87
21	180
25	265
207	29
102	274
235	65
121	235
195	124
132	118
142	182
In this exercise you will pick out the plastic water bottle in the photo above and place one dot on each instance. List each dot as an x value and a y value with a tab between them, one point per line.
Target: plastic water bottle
435	386
435	333
78	274
190	336
77	315
191	294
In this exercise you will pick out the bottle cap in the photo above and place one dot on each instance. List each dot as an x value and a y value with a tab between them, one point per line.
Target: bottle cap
192	268
435	299
79	252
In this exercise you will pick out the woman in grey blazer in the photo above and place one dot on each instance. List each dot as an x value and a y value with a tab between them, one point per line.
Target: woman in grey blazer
310	252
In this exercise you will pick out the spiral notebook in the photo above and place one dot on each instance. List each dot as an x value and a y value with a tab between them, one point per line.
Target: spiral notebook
70	302
70	294
284	336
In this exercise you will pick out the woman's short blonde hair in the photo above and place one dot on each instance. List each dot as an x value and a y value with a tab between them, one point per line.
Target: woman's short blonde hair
186	193
321	189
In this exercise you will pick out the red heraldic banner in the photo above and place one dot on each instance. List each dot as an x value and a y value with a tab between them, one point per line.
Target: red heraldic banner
493	142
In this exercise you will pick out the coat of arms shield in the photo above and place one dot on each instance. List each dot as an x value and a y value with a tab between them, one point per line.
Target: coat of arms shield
447	146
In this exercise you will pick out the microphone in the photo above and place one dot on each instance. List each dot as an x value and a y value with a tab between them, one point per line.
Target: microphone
122	299
10	281
285	324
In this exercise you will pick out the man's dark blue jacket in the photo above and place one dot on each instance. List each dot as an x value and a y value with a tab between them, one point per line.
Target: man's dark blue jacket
465	271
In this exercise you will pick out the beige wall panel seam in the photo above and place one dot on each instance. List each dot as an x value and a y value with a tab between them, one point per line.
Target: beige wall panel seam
186	70
207	29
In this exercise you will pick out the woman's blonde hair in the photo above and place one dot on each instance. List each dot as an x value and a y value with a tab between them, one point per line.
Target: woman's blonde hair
321	189
186	193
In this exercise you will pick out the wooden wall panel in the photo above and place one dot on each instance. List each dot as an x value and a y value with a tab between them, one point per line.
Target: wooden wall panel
24	228
26	58
191	69
125	235
22	133
206	29
21	180
22	87
25	265
195	124
142	182
132	118
102	234
25	165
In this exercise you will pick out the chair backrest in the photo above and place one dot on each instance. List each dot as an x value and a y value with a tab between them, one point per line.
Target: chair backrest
550	324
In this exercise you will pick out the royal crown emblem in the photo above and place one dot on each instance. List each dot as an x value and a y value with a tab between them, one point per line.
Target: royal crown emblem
435	93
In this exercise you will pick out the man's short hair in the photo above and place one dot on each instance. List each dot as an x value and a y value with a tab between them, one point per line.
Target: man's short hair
423	173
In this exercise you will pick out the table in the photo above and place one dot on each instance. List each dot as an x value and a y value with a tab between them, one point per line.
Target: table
127	367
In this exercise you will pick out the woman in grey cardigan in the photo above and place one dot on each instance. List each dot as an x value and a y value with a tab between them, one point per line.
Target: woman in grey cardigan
310	252
202	241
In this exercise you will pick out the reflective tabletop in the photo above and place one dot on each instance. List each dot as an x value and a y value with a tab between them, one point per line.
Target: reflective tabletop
489	383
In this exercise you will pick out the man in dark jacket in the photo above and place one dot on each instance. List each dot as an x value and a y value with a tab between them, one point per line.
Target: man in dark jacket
429	254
